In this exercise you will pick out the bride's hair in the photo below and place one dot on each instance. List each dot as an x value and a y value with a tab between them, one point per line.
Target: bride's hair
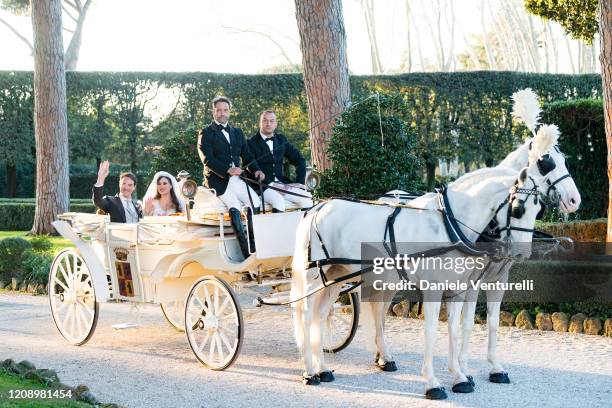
173	196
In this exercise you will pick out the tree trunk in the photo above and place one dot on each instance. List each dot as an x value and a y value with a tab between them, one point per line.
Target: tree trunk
326	76
605	35
11	180
50	123
430	175
74	47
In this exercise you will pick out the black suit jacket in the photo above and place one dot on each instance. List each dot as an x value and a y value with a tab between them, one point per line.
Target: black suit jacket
271	163
112	205
217	155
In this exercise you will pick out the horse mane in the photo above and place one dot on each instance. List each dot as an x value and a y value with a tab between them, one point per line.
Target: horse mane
484	175
517	158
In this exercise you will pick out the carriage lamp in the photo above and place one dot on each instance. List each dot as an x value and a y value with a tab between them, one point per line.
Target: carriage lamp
188	189
313	178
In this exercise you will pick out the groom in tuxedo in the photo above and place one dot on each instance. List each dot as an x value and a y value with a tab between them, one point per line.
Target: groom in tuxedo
221	148
120	207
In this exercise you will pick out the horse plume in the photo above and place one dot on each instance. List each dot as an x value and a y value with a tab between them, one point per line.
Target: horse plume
526	108
545	139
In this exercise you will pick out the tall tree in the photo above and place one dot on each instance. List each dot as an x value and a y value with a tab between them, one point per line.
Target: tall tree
76	10
50	121
326	75
581	19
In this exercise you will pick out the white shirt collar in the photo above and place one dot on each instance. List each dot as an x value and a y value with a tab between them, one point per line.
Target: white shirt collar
264	137
220	124
124	198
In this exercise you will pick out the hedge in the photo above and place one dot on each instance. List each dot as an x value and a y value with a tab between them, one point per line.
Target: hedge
463	114
19	215
583	140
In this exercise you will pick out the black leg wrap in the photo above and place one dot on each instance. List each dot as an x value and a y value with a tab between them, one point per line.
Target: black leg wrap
499	378
463	387
326	376
471	380
436	393
311	380
239	230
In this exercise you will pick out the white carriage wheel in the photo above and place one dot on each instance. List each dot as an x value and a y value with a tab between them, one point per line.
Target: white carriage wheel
72	297
174	312
213	322
341	324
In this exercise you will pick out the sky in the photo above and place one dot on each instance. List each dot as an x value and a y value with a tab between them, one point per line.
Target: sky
205	35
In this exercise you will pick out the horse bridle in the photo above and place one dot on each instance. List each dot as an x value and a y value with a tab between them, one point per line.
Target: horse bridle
516	207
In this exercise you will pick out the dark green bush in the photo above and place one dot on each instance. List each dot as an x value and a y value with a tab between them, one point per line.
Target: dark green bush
12	252
36	267
365	166
180	152
583	140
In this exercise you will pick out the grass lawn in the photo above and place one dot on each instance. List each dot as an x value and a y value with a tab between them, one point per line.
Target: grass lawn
12	382
58	241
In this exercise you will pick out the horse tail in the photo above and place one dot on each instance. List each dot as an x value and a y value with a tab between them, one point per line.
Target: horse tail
298	276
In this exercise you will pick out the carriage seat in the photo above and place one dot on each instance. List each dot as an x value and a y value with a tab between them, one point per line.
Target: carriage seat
206	201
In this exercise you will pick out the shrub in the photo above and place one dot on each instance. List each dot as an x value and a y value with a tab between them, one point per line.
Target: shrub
41	243
36	267
11	256
362	165
18	215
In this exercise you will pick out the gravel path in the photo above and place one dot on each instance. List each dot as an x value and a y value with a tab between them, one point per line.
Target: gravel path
153	366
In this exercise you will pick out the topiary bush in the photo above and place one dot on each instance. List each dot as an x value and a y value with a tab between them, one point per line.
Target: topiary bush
363	166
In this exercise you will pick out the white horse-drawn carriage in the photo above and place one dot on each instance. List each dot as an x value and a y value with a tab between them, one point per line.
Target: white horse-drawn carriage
190	264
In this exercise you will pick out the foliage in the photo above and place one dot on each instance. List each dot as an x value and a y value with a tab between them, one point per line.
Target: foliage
36	266
583	140
19	215
577	17
364	165
12	255
180	152
129	118
41	243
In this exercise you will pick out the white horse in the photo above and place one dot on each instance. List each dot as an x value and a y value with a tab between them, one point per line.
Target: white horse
560	187
344	225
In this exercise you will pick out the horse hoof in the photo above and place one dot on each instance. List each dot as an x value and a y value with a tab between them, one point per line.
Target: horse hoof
387	366
499	378
463	387
326	376
471	380
436	393
311	380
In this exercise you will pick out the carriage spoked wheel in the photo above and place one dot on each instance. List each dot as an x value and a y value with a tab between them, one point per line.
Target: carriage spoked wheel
341	324
72	297
174	312
213	322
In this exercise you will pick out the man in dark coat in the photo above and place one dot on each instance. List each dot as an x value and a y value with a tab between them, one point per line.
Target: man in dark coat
121	207
271	149
221	148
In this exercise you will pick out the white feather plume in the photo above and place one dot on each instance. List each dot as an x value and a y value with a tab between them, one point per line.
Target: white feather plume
526	108
542	143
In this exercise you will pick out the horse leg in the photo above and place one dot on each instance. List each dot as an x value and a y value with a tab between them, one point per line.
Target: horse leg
309	376
432	312
383	358
497	373
322	310
461	383
467	325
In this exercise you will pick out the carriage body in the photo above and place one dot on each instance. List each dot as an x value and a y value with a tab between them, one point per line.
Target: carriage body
182	263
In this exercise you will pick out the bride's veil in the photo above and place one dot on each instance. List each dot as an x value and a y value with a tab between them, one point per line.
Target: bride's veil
152	189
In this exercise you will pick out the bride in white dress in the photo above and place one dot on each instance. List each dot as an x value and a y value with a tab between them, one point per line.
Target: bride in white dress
162	196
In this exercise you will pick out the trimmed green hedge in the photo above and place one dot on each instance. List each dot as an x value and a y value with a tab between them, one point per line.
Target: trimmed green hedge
109	113
19	215
583	140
